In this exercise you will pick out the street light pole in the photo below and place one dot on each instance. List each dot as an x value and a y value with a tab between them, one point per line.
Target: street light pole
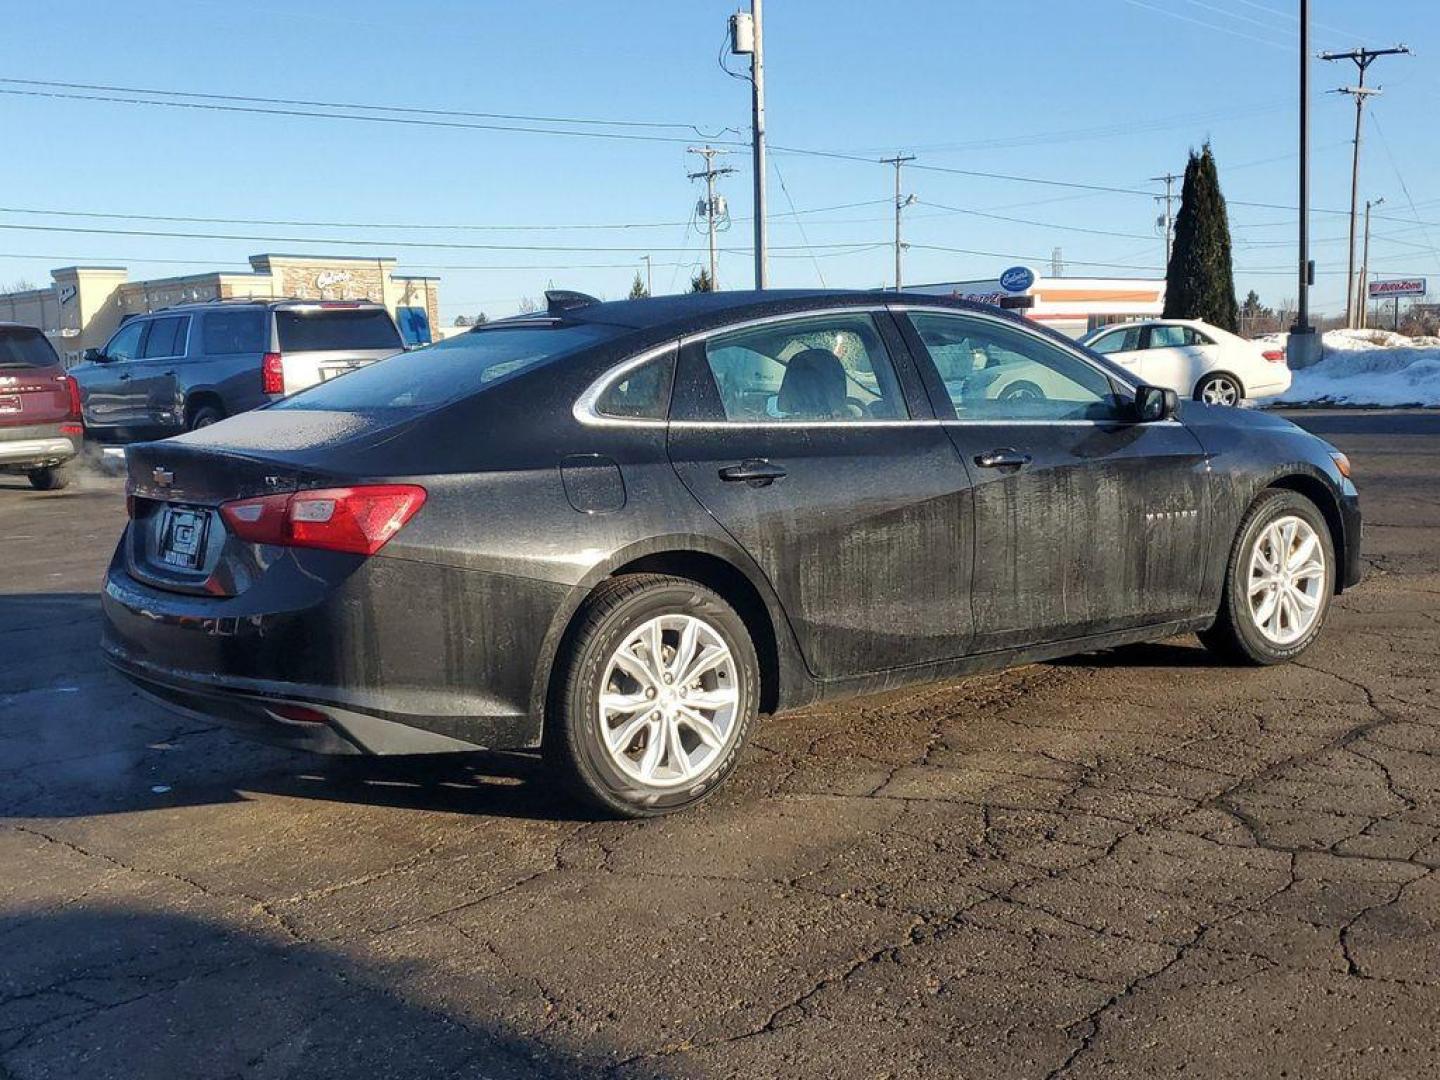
1303	347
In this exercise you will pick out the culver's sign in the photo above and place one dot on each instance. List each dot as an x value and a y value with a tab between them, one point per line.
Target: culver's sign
1017	279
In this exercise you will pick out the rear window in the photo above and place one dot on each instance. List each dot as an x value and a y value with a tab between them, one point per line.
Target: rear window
22	347
453	369
319	329
235	332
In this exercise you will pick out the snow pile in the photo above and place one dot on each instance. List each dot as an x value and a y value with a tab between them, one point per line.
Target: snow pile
1367	367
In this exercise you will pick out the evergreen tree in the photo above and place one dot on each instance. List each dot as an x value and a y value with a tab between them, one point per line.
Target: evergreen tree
637	288
701	282
1200	280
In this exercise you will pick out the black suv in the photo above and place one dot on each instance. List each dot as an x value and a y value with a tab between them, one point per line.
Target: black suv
185	367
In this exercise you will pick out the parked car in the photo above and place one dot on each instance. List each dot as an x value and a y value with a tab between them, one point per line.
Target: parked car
620	531
186	367
1195	359
39	409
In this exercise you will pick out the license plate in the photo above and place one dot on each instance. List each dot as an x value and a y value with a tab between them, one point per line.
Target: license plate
334	371
182	537
9	403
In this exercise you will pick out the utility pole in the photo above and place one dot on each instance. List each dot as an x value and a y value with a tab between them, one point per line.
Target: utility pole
1362	300
1362	59
714	206
747	38
1303	346
900	203
649	277
1169	198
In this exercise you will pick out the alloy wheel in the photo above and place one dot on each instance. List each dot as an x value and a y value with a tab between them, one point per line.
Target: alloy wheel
1219	391
1287	578
669	701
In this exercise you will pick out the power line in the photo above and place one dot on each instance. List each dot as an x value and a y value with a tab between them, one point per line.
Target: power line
1029	221
362	243
359	117
409	109
472	227
1208	25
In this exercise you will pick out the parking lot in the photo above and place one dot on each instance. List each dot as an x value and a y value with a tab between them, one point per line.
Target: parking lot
1127	864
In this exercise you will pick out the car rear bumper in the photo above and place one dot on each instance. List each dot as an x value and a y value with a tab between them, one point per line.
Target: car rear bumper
400	657
34	452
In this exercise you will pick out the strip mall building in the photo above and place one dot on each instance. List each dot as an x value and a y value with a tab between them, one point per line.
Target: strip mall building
1073	306
86	304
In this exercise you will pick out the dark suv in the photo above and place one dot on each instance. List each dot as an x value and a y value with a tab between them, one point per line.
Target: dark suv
39	409
185	367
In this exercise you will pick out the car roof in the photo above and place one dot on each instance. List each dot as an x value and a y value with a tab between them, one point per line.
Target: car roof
699	311
274	303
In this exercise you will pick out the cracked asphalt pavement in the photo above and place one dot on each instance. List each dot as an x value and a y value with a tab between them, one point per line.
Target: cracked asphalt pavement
1127	864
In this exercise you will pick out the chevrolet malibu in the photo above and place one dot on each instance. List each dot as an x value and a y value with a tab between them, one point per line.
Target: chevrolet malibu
616	533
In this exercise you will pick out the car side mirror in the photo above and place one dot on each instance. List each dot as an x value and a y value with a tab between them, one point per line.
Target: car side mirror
93	355
1153	403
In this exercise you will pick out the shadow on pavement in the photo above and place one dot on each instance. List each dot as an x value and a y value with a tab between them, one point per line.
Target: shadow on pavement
76	739
120	992
1155	654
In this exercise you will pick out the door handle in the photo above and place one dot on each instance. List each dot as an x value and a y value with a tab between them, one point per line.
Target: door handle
124	376
755	471
1003	458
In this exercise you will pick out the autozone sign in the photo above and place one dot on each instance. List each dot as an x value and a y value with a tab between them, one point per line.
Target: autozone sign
1398	287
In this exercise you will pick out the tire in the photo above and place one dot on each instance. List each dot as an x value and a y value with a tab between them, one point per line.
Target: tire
1242	632
204	416
1024	390
50	478
611	777
1218	388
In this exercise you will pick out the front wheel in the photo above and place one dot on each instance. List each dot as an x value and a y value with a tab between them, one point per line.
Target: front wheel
1218	390
1278	583
658	690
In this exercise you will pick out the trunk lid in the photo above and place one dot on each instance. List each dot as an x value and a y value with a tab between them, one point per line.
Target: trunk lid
177	539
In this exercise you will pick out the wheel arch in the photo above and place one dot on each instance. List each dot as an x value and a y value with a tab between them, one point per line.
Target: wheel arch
1319	492
784	680
199	399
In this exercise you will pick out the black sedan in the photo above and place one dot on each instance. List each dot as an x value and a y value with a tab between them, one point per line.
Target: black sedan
618	532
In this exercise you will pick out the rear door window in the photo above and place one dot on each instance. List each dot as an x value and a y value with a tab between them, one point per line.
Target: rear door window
325	329
1170	337
826	367
227	332
450	370
24	347
166	338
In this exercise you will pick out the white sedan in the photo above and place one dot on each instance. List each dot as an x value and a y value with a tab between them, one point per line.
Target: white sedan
1193	357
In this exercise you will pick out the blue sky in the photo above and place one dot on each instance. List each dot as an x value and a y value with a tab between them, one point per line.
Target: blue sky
1106	92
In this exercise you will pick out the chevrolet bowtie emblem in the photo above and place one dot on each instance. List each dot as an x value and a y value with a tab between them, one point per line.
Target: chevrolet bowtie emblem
162	477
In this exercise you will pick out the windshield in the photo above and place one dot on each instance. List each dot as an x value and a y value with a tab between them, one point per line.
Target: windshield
321	329
22	347
453	369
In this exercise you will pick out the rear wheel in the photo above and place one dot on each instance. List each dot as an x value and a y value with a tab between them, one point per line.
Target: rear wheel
1218	389
204	416
1278	583
1022	390
51	478
658	691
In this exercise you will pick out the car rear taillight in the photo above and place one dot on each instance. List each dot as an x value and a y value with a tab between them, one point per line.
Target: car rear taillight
356	519
72	392
272	373
1275	356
